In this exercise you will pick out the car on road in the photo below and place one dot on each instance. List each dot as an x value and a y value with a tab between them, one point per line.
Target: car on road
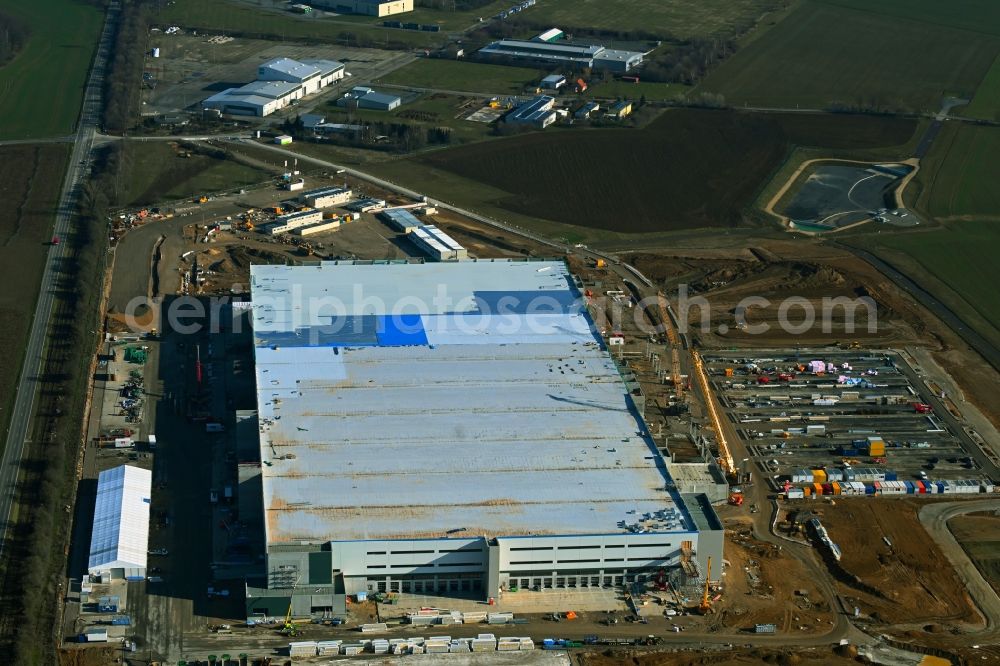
159	551
154	579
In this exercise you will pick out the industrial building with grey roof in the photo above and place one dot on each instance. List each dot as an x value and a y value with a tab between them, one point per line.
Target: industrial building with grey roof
454	427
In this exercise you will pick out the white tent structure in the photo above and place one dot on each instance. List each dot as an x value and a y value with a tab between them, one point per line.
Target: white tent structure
118	542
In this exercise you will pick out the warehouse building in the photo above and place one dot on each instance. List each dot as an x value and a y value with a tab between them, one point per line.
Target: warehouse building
311	75
285	223
476	442
401	219
577	56
120	535
365	98
280	82
536	111
325	197
366	7
438	245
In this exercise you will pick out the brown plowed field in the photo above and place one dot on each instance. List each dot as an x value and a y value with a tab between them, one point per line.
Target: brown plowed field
689	168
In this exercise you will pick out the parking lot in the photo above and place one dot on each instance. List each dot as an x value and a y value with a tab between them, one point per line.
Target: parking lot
817	408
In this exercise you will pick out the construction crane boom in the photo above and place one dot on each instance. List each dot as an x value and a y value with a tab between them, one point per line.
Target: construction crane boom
675	354
706	603
725	457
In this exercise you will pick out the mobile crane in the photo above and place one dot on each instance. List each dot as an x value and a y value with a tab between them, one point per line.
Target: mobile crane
705	607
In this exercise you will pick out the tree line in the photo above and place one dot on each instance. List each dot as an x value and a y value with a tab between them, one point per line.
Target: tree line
124	76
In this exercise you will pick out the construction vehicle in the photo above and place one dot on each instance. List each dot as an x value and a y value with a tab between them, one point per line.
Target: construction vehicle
289	628
736	497
202	199
921	408
705	607
600	263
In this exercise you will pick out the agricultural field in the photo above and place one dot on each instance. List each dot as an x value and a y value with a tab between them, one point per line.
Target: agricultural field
464	76
957	178
979	534
986	102
955	262
689	168
243	20
59	51
156	172
31	177
974	15
824	54
680	18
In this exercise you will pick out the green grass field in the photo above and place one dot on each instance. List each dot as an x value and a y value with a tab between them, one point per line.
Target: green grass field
960	259
430	110
239	19
825	53
975	15
986	102
676	18
155	174
64	34
464	76
958	177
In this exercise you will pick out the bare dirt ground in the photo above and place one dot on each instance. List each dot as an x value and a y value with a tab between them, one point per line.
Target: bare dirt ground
777	269
764	585
915	581
755	657
89	656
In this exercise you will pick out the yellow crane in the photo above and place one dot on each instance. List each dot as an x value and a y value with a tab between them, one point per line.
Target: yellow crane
725	457
675	355
705	607
290	628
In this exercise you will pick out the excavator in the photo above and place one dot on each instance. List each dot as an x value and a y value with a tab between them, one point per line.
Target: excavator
705	607
736	497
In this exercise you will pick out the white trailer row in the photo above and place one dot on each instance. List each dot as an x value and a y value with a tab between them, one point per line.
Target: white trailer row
399	646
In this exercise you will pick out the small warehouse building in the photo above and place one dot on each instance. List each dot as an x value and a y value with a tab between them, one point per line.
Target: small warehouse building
576	56
279	83
554	81
620	109
325	197
401	219
119	540
361	97
302	218
550	35
437	244
537	111
587	109
366	7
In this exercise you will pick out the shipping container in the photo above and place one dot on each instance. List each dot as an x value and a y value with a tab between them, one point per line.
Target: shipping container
836	488
817	488
834	475
869	489
819	475
827	488
891	476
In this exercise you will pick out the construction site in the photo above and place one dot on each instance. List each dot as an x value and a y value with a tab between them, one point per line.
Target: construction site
770	437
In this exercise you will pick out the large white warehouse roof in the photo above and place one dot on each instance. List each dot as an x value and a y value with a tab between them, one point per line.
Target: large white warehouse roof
408	400
120	535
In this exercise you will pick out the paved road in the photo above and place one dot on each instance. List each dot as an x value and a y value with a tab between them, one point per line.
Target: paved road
21	416
935	519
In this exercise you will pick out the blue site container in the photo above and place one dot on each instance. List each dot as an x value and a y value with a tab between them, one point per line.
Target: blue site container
890	476
121	621
940	486
910	489
869	489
